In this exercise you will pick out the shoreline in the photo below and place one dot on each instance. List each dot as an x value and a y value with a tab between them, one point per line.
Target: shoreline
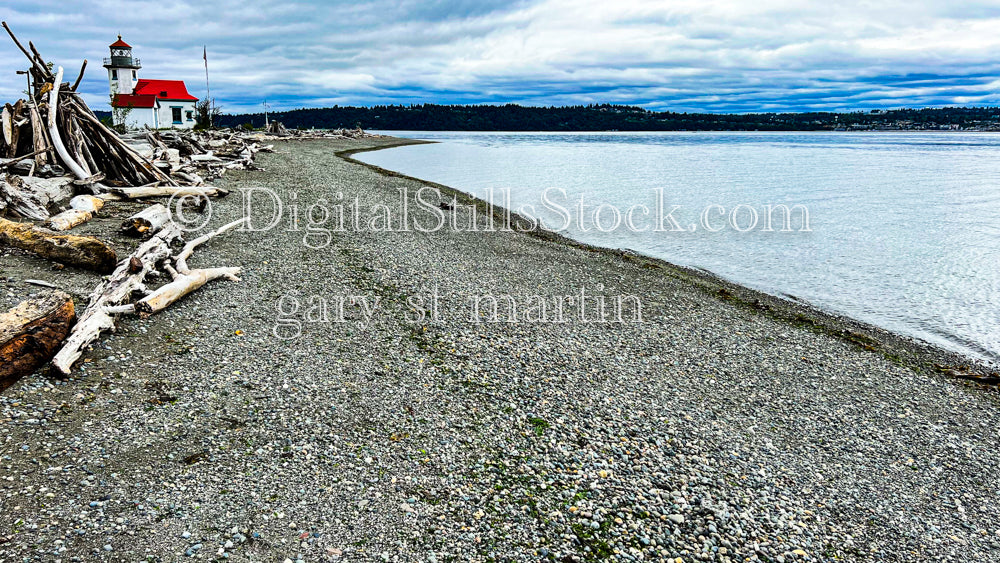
913	352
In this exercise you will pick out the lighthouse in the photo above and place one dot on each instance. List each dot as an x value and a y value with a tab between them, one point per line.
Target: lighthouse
156	104
122	68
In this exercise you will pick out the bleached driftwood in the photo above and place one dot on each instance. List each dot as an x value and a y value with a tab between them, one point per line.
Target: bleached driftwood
81	209
185	279
39	137
55	190
168	191
31	332
190	177
31	197
207	157
57	141
128	278
27	203
147	221
6	121
83	252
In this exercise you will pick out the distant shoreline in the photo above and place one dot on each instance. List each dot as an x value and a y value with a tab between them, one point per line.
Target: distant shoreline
609	117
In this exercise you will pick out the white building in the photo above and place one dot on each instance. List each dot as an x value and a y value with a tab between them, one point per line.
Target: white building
157	104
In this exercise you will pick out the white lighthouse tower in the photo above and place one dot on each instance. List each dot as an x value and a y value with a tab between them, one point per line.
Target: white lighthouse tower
156	104
122	68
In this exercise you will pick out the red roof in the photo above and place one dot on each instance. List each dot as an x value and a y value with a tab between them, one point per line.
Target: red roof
164	90
120	43
131	100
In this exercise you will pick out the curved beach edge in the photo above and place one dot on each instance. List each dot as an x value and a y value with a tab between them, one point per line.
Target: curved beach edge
914	353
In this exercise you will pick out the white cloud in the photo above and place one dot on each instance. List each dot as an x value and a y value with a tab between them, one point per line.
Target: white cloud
723	55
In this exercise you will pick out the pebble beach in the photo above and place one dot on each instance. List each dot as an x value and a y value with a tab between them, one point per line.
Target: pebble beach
318	409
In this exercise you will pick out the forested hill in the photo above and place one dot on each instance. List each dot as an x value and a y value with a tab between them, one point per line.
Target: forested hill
511	117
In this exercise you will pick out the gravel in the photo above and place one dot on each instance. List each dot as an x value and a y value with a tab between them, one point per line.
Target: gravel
707	432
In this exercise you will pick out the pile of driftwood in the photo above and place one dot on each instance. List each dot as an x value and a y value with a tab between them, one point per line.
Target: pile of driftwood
54	126
357	133
59	166
278	129
195	157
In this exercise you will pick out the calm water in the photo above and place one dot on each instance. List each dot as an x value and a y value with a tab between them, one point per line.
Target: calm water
905	227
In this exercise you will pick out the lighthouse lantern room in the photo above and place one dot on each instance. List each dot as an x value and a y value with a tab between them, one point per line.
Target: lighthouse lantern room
122	68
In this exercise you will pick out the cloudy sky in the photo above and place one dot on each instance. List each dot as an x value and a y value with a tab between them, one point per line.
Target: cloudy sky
681	55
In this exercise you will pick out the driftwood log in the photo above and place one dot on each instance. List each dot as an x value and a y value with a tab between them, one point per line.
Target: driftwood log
186	280
9	162
963	372
31	197
168	191
31	333
147	221
81	209
207	157
39	137
57	141
7	122
82	252
128	278
27	203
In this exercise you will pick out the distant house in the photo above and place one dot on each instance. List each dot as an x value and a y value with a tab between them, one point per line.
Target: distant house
157	104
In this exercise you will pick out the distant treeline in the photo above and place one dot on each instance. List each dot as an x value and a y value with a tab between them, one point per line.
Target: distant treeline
606	117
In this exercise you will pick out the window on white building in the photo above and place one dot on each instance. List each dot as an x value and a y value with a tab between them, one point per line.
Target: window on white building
176	114
114	74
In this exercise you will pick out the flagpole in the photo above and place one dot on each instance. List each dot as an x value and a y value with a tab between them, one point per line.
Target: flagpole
208	90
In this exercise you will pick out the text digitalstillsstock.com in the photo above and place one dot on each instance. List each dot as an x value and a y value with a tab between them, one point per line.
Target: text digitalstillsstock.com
427	211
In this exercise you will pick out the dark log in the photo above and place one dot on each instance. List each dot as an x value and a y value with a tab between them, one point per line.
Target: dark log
81	142
13	161
31	333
